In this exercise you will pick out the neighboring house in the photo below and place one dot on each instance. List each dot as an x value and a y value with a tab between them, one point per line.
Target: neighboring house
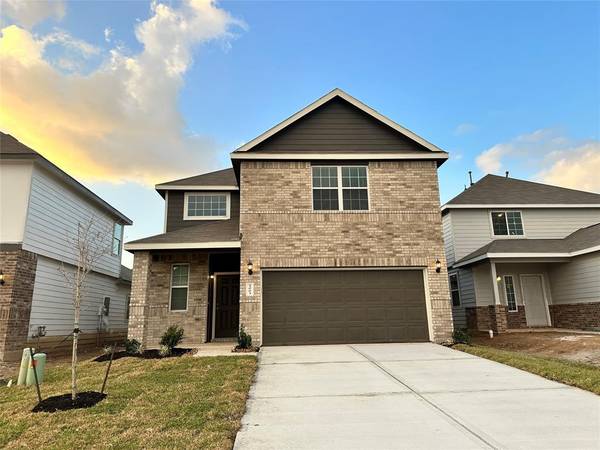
326	230
40	205
523	254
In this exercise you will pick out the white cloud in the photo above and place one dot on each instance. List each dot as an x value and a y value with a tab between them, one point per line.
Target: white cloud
120	121
552	158
28	13
464	128
108	32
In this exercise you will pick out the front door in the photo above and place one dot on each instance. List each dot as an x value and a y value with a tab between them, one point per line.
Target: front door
227	306
536	310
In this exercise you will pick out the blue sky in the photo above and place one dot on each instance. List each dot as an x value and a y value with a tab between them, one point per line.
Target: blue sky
500	85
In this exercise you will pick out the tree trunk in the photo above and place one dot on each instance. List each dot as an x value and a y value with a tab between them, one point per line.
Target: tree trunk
74	363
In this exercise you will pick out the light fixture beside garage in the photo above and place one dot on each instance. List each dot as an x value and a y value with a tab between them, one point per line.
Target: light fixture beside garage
1	278
438	265
250	267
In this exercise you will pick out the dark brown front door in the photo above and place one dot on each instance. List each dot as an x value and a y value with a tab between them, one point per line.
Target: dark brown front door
227	306
337	306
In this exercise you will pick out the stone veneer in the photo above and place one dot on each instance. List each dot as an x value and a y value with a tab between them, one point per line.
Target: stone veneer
576	315
484	318
18	267
149	314
516	319
401	229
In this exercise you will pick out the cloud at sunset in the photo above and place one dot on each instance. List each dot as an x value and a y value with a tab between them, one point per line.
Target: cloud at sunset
119	121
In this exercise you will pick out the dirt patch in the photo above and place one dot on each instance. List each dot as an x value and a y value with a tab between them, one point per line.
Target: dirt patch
63	402
573	347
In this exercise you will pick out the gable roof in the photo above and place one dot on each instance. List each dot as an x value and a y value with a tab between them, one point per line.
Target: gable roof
223	180
426	149
13	149
584	240
493	190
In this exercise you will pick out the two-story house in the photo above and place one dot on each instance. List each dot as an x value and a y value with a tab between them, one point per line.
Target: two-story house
523	254
326	230
41	208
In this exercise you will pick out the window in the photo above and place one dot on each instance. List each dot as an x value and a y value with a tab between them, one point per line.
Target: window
509	288
106	306
179	286
507	223
127	303
206	206
340	185
454	289
117	238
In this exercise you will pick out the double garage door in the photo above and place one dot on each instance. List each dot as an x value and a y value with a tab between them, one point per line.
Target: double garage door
343	306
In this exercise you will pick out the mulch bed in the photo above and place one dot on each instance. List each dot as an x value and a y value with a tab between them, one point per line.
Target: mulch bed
148	354
237	349
85	399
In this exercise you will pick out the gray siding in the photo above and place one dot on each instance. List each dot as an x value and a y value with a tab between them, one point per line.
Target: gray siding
467	297
448	238
175	211
338	126
54	213
471	228
577	281
52	303
518	269
482	279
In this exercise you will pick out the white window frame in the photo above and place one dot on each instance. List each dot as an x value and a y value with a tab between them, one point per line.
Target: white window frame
504	277
187	286
455	274
227	215
340	188
120	239
505	211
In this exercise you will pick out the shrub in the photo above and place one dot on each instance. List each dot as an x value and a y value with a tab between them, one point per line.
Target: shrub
244	339
170	339
461	336
133	346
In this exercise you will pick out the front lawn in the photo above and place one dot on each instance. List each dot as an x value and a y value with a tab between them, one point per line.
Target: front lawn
180	402
584	376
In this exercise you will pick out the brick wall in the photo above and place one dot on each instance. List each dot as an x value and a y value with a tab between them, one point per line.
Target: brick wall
516	319
18	267
576	315
402	228
149	314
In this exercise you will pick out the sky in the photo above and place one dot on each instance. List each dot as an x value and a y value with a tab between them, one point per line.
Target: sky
127	94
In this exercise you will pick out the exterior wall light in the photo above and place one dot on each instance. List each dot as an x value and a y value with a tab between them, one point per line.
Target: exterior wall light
212	277
498	279
250	267
2	278
438	265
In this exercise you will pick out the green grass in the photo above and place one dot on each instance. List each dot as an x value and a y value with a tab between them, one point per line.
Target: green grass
163	403
584	376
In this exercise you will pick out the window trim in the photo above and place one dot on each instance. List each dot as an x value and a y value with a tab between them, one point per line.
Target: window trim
505	211
187	286
340	188
120	239
504	277
227	215
105	309
455	274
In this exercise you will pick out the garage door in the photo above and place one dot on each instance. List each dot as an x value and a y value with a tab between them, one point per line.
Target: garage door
343	306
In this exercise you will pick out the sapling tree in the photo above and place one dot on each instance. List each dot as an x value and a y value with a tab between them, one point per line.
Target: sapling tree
90	242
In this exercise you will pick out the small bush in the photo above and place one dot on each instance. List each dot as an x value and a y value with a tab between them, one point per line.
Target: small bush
170	339
133	346
461	336
244	339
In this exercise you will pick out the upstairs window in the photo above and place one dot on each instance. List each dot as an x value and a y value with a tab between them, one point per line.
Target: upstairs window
340	188
213	206
117	239
507	223
454	289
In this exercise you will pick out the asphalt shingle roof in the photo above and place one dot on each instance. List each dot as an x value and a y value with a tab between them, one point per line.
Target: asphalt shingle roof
496	190
224	177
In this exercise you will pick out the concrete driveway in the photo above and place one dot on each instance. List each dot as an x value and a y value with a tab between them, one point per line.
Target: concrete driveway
378	396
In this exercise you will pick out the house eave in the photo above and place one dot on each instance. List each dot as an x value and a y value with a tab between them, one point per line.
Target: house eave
332	156
182	245
518	205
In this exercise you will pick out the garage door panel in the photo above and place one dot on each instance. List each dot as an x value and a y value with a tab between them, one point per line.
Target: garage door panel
343	307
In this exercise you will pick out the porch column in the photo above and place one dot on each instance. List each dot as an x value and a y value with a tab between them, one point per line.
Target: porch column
495	283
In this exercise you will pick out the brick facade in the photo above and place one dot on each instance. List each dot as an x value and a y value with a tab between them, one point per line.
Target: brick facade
402	229
18	267
149	312
576	315
516	319
484	318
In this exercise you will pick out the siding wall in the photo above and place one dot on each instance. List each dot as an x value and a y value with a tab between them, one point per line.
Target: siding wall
482	280
175	210
577	281
471	228
54	213
467	297
448	238
52	303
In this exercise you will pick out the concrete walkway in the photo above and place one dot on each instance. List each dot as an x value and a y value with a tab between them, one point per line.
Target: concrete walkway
380	396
